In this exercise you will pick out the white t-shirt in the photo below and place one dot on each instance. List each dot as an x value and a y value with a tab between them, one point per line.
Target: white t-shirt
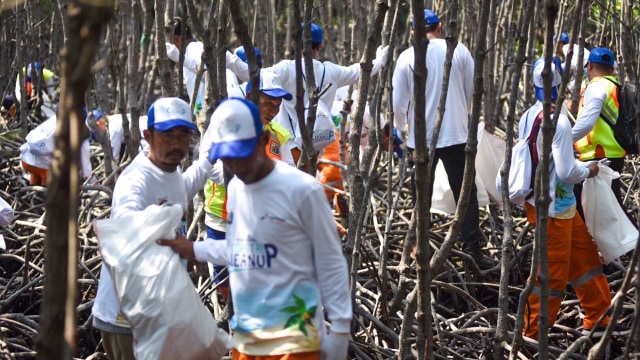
140	185
455	123
325	73
282	250
191	65
42	159
564	169
116	133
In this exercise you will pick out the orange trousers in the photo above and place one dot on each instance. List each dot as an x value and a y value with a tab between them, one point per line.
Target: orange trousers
574	260
313	355
38	175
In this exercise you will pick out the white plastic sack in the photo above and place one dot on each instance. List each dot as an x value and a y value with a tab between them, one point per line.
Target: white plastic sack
6	213
442	200
156	295
611	229
488	160
324	131
41	139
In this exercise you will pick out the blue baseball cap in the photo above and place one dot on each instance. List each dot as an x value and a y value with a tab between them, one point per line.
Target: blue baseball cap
168	113
317	35
243	55
430	17
564	38
97	114
602	56
237	127
271	85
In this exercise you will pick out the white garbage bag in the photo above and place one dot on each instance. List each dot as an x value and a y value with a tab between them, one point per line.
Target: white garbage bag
156	295
488	160
611	229
6	213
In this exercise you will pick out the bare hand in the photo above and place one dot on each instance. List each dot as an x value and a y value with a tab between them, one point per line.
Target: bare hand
181	245
593	169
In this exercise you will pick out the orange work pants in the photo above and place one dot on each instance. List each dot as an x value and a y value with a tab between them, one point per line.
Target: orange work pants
313	355
38	175
573	259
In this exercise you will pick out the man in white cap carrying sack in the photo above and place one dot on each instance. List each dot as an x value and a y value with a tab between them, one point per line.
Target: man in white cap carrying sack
286	266
154	177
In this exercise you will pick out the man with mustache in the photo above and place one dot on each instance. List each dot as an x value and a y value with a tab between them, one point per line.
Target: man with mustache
153	177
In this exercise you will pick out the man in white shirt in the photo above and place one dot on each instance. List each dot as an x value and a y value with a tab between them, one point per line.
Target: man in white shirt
193	59
454	131
593	137
153	178
572	255
286	266
325	73
113	123
36	154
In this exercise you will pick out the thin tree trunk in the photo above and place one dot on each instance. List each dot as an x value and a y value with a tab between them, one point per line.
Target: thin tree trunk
422	200
542	185
452	42
357	173
57	336
507	238
162	61
627	59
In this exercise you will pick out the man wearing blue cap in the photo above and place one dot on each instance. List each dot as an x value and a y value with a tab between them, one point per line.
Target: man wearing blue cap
325	73
286	267
193	59
593	137
153	178
572	255
278	148
455	123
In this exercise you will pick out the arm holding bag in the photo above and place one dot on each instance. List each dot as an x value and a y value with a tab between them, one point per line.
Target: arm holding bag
156	295
611	229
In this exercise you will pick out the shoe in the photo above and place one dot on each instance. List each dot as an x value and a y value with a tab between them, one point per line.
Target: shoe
483	261
618	330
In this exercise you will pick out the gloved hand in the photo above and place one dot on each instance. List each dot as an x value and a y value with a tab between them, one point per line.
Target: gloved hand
347	104
397	141
381	53
173	52
334	346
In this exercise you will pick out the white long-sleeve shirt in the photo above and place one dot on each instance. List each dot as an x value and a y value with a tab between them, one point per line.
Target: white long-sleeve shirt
116	133
140	185
283	251
42	158
325	73
191	65
594	97
455	122
565	170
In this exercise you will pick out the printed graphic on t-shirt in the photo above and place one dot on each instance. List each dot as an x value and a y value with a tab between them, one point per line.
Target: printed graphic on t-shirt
247	255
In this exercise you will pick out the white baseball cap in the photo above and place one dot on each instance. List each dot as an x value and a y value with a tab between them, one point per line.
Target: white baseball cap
271	85
237	128
167	113
556	70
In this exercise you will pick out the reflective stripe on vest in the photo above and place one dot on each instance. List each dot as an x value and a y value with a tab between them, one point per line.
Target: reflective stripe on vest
600	142
215	199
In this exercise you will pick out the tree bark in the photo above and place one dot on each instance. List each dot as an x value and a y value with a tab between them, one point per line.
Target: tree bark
57	336
507	238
